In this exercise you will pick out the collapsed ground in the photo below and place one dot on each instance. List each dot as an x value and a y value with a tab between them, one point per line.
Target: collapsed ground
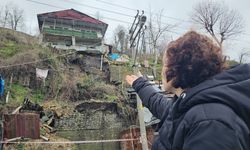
85	100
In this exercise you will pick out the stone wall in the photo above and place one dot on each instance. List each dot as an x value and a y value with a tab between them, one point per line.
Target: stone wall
92	124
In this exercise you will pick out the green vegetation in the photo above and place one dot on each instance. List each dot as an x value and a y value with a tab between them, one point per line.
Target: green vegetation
232	62
149	71
86	82
37	96
158	71
19	92
111	98
20	146
91	88
8	49
48	55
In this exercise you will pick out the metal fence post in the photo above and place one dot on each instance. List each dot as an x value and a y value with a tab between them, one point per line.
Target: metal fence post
142	124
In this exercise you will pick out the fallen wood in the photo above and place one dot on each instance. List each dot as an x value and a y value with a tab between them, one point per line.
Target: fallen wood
44	138
47	126
46	129
16	110
50	120
13	139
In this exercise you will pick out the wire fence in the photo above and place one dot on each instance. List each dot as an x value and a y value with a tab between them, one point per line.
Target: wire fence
70	142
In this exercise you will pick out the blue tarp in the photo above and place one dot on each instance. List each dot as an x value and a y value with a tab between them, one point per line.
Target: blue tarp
114	56
1	86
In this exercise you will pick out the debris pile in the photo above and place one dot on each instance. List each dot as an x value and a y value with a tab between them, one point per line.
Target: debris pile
29	120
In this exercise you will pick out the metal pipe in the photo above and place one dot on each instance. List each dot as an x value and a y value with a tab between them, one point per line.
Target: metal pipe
130	30
142	124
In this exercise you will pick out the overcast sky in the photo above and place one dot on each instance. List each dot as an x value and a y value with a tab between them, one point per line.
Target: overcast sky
115	12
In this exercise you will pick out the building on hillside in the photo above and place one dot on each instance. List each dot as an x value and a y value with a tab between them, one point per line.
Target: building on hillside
71	29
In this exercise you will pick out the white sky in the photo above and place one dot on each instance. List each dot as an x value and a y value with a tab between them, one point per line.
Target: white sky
175	12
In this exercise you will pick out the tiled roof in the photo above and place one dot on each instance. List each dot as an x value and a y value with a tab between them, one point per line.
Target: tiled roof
72	15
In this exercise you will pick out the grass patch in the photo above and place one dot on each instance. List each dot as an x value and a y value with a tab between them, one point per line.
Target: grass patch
87	82
37	96
18	93
91	88
8	49
20	146
52	61
111	98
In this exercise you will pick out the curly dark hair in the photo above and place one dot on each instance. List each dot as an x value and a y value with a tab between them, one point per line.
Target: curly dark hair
191	59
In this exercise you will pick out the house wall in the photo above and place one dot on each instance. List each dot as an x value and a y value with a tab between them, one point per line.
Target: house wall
68	34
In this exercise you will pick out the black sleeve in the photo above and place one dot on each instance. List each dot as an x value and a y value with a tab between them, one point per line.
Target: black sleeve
211	135
156	102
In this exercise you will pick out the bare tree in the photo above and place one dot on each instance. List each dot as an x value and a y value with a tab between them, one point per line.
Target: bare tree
5	16
155	31
219	21
244	53
15	17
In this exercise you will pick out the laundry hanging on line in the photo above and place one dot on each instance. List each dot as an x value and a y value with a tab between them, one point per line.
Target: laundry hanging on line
41	73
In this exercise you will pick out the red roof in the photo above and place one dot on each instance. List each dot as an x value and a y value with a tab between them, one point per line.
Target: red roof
72	15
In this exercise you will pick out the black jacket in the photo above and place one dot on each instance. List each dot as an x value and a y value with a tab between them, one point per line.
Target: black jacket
214	115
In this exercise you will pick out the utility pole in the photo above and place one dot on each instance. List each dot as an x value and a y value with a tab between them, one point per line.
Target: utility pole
141	19
143	137
135	32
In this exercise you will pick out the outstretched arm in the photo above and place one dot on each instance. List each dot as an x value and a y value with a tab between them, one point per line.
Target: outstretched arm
156	102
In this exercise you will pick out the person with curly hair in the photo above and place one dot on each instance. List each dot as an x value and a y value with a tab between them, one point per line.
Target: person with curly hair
211	106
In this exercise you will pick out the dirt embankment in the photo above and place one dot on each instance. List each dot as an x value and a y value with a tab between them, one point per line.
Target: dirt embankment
79	81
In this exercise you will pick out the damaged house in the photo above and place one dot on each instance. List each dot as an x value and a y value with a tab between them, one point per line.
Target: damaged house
71	29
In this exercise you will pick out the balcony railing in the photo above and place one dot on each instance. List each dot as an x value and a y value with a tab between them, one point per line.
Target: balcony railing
66	32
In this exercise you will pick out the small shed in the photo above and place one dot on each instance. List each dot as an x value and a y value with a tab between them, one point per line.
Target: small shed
25	125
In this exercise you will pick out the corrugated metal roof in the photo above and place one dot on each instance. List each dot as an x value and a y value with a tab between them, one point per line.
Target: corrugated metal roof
72	14
25	125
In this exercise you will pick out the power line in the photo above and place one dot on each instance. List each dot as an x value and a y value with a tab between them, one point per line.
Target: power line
133	9
76	3
110	11
33	1
113	19
114	12
117	20
45	4
113	4
117	5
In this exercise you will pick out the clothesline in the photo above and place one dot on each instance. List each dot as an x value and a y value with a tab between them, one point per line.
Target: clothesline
71	142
